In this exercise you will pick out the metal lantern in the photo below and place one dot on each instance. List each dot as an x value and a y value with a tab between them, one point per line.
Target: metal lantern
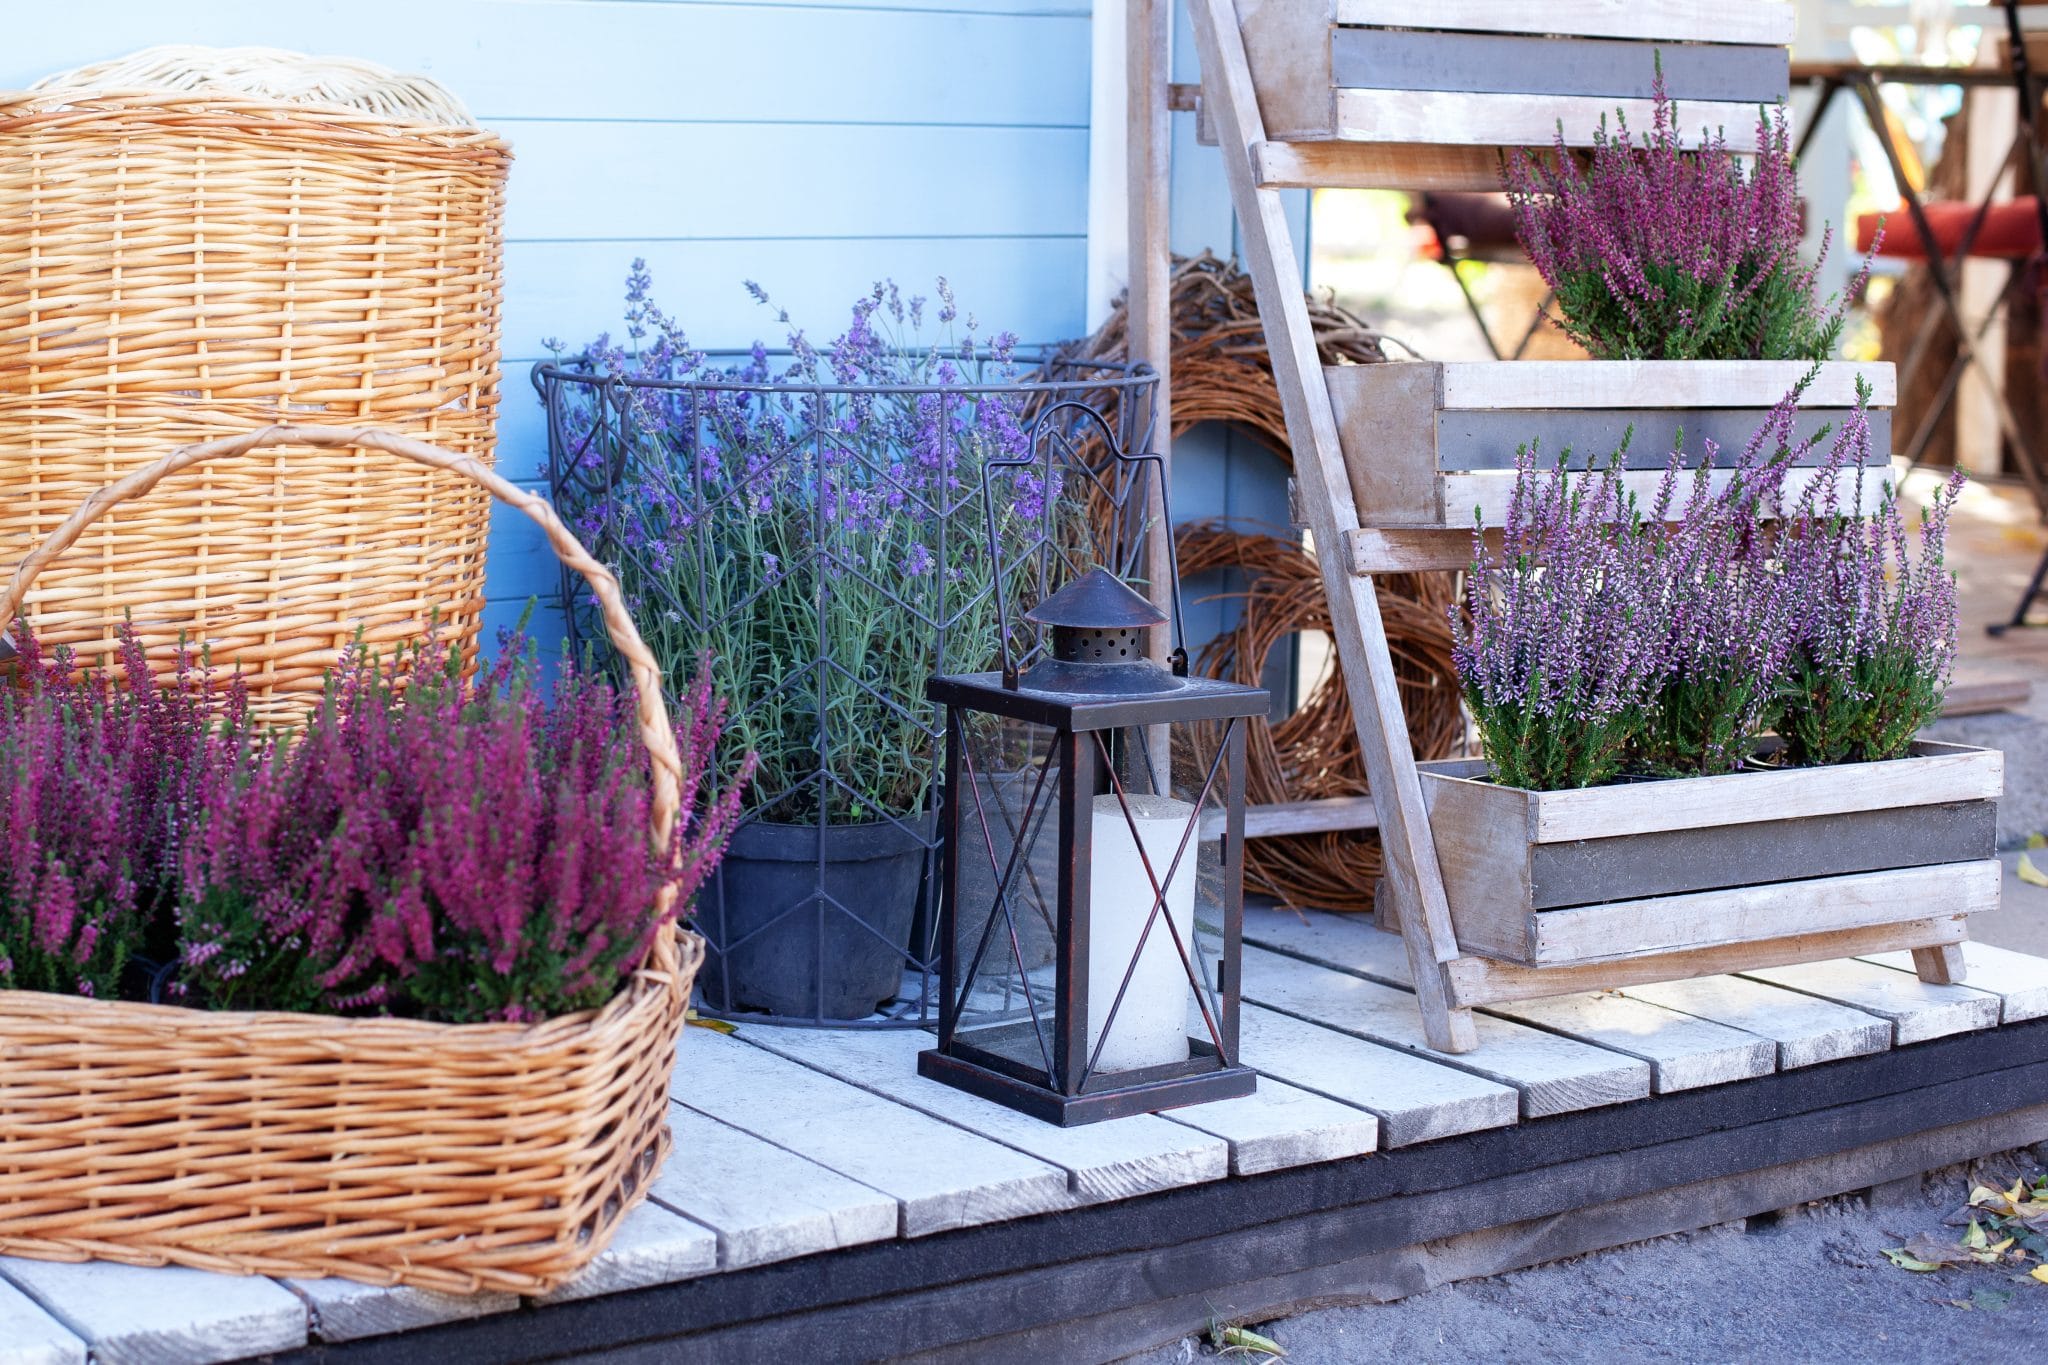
1092	864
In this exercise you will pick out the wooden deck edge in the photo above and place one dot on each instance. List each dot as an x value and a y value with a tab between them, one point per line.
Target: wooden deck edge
1112	1279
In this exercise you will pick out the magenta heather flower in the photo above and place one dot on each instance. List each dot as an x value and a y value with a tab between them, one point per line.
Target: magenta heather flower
1657	252
442	849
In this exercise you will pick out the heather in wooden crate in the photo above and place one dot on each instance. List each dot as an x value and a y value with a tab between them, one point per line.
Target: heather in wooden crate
1625	666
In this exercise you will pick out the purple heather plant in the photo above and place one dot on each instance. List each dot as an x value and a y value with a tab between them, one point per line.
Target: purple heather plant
442	849
1872	627
95	771
1660	253
1603	638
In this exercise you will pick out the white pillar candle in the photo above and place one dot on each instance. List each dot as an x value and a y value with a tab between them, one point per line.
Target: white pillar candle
1151	1023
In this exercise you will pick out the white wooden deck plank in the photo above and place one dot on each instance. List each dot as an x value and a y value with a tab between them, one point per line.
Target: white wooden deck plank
653	1245
1277	1126
166	1315
1555	1075
1114	1159
30	1336
1416	1099
1806	1030
1917	1011
1683	1052
941	1176
343	1310
2020	979
764	1203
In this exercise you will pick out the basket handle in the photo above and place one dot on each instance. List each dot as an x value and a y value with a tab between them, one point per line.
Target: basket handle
655	730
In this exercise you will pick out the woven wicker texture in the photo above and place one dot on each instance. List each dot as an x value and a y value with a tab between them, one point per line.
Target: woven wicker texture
1314	753
452	1157
1223	373
180	266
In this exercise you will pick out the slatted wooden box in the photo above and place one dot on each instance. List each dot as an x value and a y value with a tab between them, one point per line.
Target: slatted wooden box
1428	444
1503	73
1603	874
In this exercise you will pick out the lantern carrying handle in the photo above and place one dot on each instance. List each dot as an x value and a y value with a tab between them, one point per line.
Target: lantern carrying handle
1042	434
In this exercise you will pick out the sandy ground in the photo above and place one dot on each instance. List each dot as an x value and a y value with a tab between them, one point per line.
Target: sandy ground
1809	1284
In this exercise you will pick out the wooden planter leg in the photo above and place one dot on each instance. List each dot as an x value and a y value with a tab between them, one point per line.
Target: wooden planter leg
1410	852
1942	966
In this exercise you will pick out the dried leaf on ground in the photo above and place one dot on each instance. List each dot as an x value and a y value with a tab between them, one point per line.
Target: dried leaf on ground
2031	875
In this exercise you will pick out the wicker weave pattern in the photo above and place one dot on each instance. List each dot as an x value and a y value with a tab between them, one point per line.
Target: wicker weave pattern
178	266
453	1157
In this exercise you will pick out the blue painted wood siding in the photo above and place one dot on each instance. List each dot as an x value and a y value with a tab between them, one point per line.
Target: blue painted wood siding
813	145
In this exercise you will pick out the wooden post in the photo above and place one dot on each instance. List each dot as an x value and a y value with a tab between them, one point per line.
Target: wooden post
1148	30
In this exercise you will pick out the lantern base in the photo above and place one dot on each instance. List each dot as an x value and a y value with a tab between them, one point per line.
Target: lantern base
1212	1081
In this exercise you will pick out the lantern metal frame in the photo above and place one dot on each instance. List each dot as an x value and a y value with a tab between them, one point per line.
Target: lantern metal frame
1080	762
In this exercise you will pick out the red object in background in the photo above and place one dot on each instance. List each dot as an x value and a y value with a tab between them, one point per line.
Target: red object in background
2011	231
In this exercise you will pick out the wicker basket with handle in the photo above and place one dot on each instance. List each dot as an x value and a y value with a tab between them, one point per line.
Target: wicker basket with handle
201	242
448	1156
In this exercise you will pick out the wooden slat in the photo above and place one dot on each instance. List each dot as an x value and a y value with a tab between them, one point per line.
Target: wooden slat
1981	696
1917	1010
30	1336
1278	1126
1377	550
1704	21
1522	120
1538	384
1417	1100
1481	981
1115	1159
1684	1051
1804	1030
1935	774
168	1315
1328	815
764	1203
1488	496
1555	1075
2020	980
1474	438
654	1245
1673	862
1331	165
1745	914
343	1310
957	1178
1521	64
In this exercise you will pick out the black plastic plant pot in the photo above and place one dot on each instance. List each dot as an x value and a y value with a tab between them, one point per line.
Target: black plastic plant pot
806	923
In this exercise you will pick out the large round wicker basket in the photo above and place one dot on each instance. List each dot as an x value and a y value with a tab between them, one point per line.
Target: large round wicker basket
199	242
447	1156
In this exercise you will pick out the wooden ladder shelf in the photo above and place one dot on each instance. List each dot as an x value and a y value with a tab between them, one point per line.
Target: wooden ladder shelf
1425	94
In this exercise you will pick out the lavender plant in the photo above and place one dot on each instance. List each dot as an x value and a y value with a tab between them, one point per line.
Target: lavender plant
1660	253
826	547
441	849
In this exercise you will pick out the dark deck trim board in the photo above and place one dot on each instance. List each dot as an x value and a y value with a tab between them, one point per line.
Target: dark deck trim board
1002	1280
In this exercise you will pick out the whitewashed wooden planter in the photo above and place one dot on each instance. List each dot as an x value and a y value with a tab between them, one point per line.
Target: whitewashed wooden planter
1637	869
1505	73
1428	444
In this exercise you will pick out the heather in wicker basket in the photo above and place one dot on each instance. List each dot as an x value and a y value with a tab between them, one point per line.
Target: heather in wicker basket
451	1156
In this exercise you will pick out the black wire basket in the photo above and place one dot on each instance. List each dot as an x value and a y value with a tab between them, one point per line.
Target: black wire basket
823	548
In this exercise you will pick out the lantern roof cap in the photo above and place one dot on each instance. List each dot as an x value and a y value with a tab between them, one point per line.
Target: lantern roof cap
1097	600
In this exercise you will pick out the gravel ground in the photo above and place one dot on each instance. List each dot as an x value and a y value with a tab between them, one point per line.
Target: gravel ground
1809	1284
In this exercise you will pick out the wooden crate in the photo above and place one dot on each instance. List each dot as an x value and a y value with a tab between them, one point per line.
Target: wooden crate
1604	874
1426	443
1504	73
